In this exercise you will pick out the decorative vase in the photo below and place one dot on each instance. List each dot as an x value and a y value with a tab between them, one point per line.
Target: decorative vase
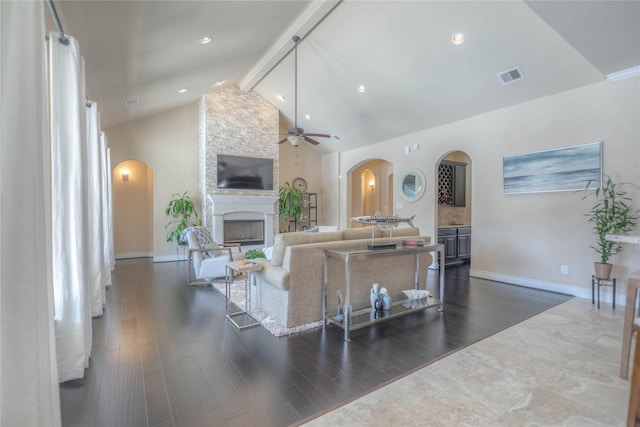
386	302
603	270
374	295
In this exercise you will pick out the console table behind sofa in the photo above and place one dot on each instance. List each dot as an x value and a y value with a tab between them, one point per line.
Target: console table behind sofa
289	288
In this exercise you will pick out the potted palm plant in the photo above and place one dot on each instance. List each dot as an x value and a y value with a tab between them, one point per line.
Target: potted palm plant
184	214
612	213
289	203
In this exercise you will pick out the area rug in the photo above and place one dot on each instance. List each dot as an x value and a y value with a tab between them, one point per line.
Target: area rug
238	297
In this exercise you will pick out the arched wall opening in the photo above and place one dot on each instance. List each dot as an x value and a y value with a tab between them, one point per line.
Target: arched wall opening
370	187
132	210
452	210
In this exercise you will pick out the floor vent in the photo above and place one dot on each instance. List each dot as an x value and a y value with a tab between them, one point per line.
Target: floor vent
510	76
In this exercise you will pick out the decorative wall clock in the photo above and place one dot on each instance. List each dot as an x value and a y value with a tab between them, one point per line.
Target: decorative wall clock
300	184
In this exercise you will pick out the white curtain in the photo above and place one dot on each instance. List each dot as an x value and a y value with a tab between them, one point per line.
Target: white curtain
112	254
29	393
94	255
71	257
107	241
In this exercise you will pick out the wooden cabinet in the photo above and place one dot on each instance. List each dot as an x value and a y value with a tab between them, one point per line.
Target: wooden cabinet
452	178
309	217
457	244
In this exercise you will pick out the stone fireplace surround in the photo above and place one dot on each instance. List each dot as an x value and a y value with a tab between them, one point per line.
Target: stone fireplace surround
241	207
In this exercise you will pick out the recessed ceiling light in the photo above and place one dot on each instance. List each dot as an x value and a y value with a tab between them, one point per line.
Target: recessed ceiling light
219	82
362	88
307	116
183	90
457	38
281	97
205	40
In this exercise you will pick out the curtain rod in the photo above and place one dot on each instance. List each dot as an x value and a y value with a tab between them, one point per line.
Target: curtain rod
54	14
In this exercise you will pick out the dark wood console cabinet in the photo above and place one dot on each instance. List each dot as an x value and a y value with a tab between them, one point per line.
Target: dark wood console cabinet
457	244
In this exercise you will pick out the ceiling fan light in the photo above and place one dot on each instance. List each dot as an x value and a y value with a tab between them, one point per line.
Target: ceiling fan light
295	140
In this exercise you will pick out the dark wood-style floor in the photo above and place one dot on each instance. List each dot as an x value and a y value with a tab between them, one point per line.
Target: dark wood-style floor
163	354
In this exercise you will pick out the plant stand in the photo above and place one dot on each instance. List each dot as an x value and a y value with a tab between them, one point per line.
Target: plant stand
596	281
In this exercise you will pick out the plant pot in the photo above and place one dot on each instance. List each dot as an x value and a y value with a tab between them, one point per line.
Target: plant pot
603	270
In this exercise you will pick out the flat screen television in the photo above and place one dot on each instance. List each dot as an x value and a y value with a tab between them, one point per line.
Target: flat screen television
247	173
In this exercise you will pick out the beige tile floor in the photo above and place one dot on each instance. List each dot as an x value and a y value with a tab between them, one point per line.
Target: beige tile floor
559	368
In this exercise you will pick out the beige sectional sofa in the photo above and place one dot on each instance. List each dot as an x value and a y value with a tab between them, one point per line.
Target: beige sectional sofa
289	288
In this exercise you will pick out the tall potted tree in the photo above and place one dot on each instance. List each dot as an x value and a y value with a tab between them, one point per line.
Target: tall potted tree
184	214
612	213
289	203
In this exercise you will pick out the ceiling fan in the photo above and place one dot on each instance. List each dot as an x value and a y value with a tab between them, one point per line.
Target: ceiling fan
296	135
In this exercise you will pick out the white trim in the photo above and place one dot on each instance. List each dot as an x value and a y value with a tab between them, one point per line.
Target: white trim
624	74
167	258
134	255
605	294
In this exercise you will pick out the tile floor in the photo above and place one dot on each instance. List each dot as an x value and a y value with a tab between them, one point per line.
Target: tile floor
559	368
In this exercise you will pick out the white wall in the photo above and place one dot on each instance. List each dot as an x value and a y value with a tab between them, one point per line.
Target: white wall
168	144
523	238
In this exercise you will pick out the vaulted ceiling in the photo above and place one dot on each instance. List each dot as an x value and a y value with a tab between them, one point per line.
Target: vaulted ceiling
401	51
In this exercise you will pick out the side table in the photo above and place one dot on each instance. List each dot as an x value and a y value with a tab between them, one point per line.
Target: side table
633	285
246	320
596	281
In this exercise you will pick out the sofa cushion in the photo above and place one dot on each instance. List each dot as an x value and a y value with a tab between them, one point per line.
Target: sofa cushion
359	233
287	239
401	231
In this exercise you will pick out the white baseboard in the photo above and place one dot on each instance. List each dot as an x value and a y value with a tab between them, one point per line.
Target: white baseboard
127	255
168	258
605	293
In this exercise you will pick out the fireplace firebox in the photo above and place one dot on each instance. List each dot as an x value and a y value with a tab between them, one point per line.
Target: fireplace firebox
243	231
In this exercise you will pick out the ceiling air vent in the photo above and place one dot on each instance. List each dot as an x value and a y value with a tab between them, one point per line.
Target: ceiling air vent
510	76
131	102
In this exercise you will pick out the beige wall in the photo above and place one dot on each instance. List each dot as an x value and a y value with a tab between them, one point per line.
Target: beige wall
523	238
133	210
168	144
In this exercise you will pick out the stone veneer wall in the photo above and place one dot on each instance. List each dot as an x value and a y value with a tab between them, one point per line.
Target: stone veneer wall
237	123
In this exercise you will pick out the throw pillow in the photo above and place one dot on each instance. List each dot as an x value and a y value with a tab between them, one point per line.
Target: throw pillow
212	249
203	236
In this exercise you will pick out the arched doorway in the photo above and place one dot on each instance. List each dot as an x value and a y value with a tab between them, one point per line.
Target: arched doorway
453	206
132	210
371	189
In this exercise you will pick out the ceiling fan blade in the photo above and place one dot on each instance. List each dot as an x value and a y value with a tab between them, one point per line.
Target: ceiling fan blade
321	135
280	142
306	138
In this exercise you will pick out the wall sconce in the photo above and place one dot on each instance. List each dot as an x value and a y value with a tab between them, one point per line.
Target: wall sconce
125	174
372	186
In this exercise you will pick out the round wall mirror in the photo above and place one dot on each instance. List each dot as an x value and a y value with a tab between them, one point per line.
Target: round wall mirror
412	185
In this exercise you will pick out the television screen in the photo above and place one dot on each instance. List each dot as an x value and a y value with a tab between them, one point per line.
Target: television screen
247	173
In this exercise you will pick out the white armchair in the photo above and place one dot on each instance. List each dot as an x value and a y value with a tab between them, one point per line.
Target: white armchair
205	266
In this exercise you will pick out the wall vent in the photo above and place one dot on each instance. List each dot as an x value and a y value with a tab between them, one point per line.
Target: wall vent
131	102
510	76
